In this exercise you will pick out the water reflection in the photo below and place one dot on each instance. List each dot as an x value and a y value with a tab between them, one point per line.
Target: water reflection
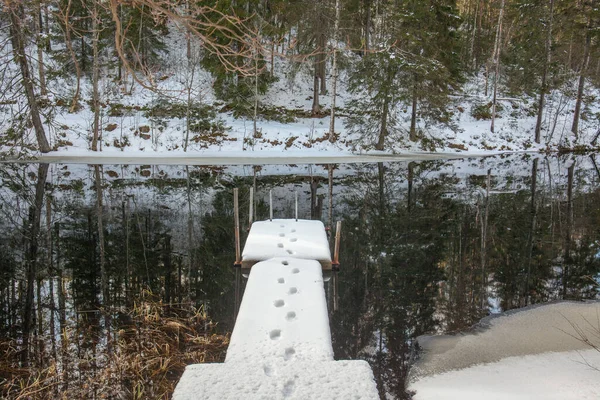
427	247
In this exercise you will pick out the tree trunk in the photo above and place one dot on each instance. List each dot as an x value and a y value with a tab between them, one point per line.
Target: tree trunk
40	51
413	115
544	88
33	229
256	75
95	76
17	41
316	108
383	131
581	85
567	249
99	216
367	25
410	179
66	17
483	245
334	71
322	63
532	226
497	63
474	35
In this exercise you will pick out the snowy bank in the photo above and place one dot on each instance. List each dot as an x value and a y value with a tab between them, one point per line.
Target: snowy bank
548	376
534	352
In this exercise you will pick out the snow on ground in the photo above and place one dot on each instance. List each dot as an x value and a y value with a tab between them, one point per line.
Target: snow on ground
130	129
548	376
531	330
531	353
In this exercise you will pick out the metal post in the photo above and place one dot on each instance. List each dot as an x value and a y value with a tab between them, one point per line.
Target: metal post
336	251
251	215
236	213
296	206
238	258
334	282
238	278
270	205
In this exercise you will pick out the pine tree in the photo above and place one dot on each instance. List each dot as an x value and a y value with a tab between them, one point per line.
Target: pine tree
417	70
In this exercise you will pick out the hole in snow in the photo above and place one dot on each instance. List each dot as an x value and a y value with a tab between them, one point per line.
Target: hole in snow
293	230
282	226
288	388
293	239
280	245
279	303
293	290
281	234
290	252
281	280
290	315
295	271
284	262
268	370
275	334
289	352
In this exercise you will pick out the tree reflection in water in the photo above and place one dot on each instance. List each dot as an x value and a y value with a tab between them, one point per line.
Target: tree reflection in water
427	247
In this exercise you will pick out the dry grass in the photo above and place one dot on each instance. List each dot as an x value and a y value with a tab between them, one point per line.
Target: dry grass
143	360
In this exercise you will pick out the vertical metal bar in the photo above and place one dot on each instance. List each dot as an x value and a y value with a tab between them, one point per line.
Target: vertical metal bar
236	213
270	205
330	186
296	205
251	214
338	234
238	278
238	258
335	290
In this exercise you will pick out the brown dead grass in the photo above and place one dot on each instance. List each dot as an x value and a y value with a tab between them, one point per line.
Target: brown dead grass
144	359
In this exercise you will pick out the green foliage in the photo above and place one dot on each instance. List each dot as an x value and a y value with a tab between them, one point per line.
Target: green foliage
483	111
202	118
236	88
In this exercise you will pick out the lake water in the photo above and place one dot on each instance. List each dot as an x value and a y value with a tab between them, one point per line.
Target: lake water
427	246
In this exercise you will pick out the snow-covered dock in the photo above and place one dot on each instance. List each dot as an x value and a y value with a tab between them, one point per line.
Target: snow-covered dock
281	344
303	239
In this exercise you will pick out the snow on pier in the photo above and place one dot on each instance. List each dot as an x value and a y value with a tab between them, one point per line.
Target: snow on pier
281	344
301	238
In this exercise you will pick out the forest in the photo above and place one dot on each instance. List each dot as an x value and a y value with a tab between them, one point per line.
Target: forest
359	74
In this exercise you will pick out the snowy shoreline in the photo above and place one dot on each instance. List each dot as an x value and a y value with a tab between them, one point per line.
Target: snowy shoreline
533	352
260	157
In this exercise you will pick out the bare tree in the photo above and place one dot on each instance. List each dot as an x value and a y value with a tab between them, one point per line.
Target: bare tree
95	73
205	22
336	29
497	47
547	61
65	16
582	72
16	13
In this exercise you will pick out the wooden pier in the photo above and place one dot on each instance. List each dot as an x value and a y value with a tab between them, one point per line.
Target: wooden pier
281	343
